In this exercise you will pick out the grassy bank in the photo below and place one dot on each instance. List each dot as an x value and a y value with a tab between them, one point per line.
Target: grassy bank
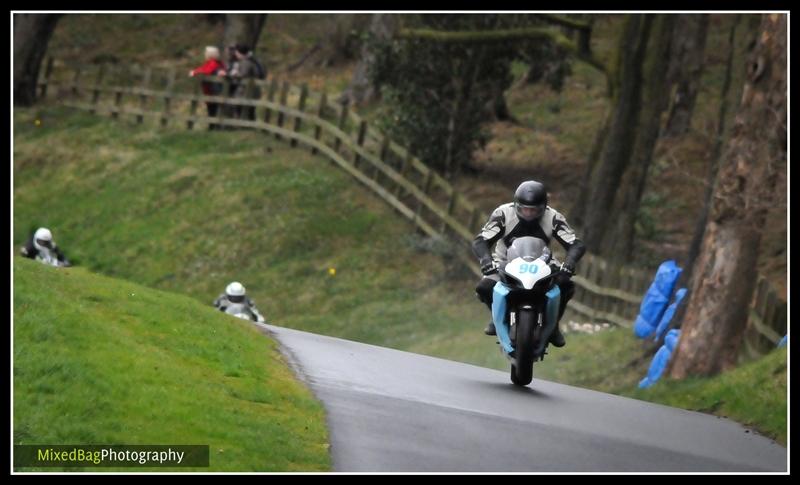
615	361
103	361
754	394
190	212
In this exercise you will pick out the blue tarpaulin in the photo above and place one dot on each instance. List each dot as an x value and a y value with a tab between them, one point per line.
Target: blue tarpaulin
669	313
661	359
656	299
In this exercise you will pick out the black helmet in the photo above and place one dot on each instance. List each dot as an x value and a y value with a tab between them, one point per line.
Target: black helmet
530	200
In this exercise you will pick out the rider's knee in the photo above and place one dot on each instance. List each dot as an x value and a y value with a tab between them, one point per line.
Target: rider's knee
484	290
567	289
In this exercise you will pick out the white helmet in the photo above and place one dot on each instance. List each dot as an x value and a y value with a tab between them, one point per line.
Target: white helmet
235	292
43	238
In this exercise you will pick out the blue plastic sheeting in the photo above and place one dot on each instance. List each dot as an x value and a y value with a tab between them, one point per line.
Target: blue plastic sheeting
656	299
499	316
669	313
553	303
661	359
783	341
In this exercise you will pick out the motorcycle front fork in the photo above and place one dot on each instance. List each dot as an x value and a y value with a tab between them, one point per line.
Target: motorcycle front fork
512	323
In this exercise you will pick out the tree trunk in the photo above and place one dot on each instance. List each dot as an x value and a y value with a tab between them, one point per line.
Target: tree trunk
688	47
618	146
32	33
243	29
361	90
717	314
578	212
618	241
497	108
697	239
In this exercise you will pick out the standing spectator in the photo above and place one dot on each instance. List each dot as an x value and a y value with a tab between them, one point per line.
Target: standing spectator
212	67
246	67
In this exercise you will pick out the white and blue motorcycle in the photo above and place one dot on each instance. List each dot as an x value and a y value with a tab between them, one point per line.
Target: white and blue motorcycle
525	305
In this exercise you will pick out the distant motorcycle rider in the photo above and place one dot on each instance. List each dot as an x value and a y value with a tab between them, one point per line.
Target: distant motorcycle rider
528	215
235	295
42	248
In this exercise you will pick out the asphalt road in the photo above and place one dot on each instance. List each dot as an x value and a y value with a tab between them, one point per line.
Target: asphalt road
394	411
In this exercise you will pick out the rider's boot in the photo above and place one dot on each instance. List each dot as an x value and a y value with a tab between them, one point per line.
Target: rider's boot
557	338
489	330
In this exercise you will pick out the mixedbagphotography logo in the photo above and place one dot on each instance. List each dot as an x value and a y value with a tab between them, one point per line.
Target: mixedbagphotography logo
110	456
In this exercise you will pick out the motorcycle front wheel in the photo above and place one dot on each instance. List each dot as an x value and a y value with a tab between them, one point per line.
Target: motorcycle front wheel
522	368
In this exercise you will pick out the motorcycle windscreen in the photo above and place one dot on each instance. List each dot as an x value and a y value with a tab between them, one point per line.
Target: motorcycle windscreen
499	316
551	316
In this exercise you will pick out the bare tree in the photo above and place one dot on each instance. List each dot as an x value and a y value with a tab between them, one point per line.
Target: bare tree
243	29
614	141
686	68
382	27
717	315
32	33
618	241
716	152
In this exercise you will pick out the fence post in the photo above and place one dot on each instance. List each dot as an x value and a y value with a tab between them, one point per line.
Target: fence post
384	153
117	103
96	90
284	96
451	204
301	105
600	280
772	310
760	304
473	219
781	319
426	186
224	109
168	98
323	102
273	88
590	299
342	121
47	71
142	96
75	78
404	165
193	109
626	284
362	132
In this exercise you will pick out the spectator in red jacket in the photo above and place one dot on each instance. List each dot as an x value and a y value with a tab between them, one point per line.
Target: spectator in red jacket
212	67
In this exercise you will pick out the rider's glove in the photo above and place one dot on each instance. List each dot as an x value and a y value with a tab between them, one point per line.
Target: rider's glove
488	268
567	268
565	272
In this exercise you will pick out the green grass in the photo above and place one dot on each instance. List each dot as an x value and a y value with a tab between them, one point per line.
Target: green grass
611	360
754	394
103	361
189	212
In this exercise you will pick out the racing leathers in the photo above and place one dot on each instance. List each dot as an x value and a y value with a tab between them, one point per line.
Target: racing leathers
503	226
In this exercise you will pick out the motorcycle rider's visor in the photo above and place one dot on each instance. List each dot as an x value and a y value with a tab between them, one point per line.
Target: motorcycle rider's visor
236	298
45	243
530	211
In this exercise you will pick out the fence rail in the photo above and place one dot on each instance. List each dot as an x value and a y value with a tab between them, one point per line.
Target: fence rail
604	291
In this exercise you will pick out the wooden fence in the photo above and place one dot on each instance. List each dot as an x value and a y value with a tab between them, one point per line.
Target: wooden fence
604	292
768	321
